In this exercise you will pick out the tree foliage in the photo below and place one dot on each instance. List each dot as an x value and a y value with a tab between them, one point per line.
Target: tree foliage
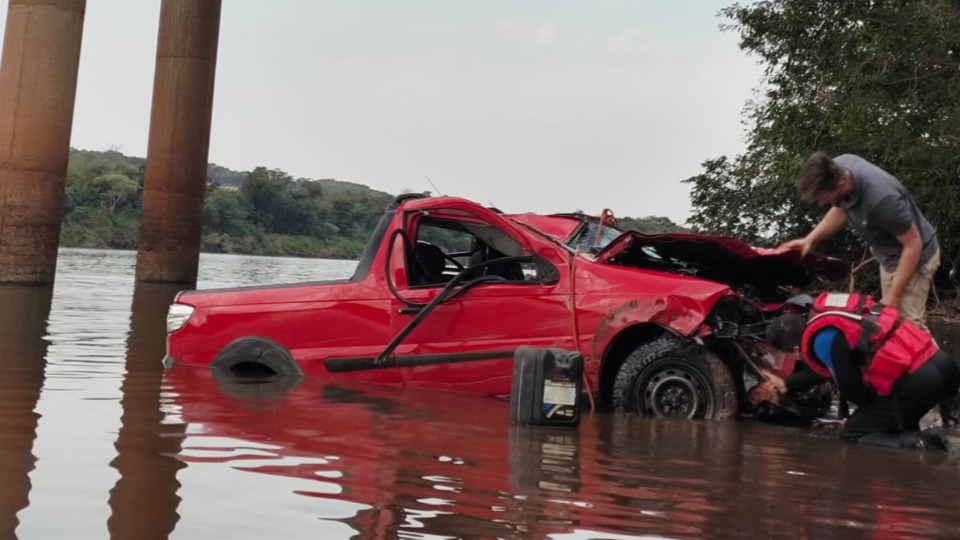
268	212
877	78
651	225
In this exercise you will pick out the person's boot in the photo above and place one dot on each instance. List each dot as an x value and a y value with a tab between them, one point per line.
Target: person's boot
950	411
933	439
890	440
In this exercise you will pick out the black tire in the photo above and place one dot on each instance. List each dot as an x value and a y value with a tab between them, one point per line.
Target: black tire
257	352
669	378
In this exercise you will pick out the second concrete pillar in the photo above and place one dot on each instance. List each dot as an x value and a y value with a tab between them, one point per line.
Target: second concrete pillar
179	141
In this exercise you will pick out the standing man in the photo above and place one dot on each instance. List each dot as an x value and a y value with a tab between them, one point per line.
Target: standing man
882	212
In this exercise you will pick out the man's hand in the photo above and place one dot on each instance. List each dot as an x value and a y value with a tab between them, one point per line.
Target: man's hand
891	300
776	383
803	245
769	390
761	393
831	223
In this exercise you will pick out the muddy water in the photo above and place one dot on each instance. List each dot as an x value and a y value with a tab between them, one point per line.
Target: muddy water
97	441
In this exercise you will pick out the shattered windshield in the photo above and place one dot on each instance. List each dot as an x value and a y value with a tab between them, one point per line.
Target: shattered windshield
588	240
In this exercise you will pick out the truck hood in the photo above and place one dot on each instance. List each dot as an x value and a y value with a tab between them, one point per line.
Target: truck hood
721	258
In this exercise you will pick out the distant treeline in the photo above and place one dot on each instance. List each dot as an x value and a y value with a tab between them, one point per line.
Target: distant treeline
261	212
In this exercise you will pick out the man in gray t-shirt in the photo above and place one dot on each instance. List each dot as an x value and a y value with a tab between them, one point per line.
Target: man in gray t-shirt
882	212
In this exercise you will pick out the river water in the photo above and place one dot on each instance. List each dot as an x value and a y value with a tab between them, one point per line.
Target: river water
97	440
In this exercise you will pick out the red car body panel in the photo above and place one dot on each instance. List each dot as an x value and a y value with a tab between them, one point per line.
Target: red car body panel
336	330
559	227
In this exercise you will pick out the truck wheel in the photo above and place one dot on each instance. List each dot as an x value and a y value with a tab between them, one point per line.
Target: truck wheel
667	378
256	356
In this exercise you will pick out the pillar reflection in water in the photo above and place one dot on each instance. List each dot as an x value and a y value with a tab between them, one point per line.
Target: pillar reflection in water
23	325
144	500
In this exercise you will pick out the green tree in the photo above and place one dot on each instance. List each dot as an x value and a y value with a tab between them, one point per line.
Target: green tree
227	213
296	215
116	189
264	191
270	213
651	225
876	78
108	191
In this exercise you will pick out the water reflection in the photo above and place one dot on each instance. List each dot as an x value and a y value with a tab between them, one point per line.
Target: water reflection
421	464
544	479
144	501
127	450
23	324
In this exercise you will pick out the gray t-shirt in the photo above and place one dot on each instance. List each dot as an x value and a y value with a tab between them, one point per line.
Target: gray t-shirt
880	209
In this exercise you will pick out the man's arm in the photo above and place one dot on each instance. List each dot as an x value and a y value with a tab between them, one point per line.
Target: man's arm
906	266
848	371
832	222
801	380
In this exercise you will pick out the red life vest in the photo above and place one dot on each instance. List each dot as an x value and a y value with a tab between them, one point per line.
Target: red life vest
892	345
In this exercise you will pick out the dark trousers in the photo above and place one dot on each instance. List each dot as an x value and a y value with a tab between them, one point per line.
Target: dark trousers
885	419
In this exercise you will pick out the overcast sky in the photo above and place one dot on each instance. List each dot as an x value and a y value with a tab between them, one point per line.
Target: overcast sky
539	105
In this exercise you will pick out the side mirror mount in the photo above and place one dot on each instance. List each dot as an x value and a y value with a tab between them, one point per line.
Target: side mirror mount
547	273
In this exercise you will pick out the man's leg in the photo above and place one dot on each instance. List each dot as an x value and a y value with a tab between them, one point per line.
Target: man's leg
875	424
886	280
950	381
894	420
950	411
913	305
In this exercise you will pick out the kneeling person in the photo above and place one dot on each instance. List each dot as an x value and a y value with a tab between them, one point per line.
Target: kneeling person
890	368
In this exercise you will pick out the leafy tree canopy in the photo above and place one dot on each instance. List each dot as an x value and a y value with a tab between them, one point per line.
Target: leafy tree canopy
877	78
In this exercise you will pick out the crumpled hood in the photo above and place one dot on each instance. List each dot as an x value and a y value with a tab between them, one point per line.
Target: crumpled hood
721	258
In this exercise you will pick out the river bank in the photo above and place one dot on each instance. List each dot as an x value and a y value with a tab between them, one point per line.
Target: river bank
261	245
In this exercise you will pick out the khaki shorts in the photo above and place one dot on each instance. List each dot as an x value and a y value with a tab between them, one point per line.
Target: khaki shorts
913	305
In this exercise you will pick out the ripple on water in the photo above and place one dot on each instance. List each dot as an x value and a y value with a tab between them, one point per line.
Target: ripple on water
97	440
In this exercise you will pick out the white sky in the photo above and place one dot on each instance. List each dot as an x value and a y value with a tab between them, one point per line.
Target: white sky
539	105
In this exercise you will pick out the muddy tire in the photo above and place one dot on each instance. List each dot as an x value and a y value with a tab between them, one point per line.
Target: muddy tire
670	379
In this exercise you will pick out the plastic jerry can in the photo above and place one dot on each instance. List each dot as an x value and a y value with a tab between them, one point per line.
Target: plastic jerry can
546	387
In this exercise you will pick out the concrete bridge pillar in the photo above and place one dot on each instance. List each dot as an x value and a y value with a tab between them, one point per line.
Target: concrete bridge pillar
176	174
38	83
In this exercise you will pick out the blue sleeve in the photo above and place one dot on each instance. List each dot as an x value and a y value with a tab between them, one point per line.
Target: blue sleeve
822	345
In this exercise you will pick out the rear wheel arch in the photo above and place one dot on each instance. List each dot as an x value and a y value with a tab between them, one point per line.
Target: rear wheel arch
258	356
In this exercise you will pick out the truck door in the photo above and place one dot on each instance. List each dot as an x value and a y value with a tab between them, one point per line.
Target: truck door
467	343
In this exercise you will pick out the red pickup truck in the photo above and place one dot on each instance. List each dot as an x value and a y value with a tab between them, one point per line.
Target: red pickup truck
447	289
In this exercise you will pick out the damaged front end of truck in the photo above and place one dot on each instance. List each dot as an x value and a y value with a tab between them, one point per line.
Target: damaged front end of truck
714	352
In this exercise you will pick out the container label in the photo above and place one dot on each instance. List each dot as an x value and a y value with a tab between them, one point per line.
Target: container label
559	392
